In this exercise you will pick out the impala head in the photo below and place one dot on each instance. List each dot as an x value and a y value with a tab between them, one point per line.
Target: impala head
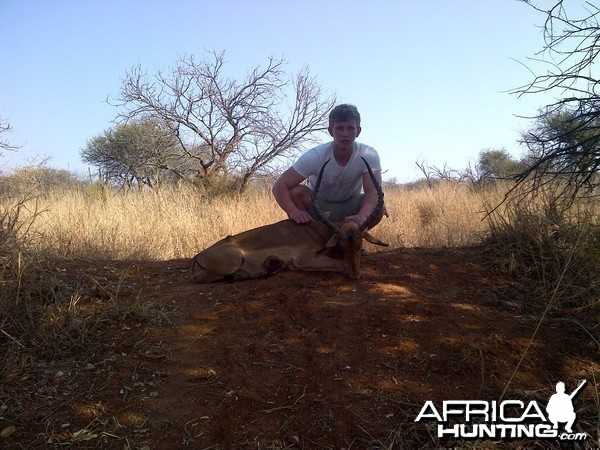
349	235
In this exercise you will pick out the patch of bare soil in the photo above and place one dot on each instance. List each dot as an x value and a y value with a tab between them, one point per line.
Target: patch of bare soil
296	360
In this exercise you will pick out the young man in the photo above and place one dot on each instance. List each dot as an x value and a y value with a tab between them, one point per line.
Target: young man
343	180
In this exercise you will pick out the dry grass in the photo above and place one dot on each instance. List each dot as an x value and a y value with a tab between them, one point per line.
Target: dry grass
177	223
159	225
52	327
553	244
446	215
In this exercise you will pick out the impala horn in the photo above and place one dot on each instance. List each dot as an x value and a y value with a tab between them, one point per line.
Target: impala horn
316	209
378	206
362	227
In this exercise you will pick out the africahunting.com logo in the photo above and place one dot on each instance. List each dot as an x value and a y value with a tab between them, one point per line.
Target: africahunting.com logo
507	419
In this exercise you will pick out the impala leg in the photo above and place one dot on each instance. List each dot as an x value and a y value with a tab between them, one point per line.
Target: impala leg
321	263
271	265
216	263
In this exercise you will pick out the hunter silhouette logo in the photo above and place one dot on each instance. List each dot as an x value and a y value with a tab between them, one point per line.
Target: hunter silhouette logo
506	419
560	406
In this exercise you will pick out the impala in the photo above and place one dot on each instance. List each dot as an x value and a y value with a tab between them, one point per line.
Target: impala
319	245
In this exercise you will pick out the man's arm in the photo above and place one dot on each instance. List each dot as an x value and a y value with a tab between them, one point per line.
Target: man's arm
282	191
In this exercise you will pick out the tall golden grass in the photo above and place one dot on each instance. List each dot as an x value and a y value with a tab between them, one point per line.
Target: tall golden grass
175	223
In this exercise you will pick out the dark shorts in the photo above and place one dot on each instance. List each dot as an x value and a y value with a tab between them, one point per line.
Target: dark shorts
337	211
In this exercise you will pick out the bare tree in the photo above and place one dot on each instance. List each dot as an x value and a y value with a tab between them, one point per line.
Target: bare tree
570	152
434	174
242	126
6	128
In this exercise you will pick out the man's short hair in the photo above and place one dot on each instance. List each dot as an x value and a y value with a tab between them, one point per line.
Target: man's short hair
344	112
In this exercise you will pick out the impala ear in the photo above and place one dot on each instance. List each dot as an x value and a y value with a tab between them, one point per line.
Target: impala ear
373	240
332	242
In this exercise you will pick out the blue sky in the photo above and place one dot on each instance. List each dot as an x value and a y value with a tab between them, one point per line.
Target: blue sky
429	76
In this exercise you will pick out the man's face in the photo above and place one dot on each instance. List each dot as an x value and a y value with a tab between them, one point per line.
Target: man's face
344	133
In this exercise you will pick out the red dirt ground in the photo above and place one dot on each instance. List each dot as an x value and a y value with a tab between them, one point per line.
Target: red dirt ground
301	360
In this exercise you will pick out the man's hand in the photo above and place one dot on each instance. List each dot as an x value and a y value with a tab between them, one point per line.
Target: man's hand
300	216
358	218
